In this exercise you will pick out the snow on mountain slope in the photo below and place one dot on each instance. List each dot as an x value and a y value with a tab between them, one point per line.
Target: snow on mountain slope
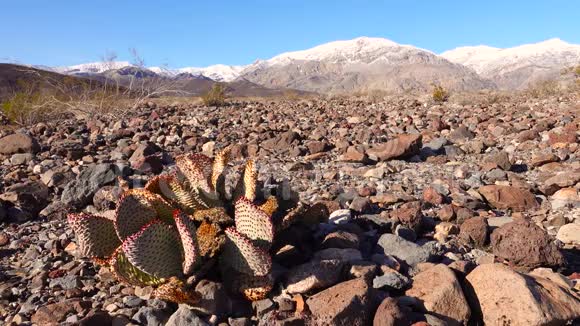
217	72
360	64
519	66
92	67
358	50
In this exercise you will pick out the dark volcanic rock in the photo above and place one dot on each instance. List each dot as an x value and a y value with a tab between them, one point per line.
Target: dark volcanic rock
80	191
525	245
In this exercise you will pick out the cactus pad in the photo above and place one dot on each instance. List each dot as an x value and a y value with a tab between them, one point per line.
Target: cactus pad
96	235
188	236
254	223
243	256
137	208
128	273
156	250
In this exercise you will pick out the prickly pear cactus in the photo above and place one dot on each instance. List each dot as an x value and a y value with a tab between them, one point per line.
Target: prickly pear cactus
164	233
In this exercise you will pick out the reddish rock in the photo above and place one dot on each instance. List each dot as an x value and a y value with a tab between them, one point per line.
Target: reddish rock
474	231
440	293
543	158
348	303
499	160
54	313
446	213
566	136
317	147
390	314
431	196
403	146
525	245
354	154
409	214
501	296
507	197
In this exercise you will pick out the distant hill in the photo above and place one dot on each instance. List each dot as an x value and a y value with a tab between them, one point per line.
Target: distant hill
362	64
128	77
520	66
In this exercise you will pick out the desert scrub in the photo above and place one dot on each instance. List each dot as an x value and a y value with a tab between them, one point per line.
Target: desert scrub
544	88
439	94
216	96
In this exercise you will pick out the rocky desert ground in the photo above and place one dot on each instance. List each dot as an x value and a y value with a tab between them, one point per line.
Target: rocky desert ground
413	212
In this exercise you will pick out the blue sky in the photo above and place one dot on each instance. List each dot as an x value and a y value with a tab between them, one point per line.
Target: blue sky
200	33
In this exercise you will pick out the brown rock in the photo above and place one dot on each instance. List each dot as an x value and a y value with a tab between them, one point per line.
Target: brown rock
54	313
560	180
525	245
409	214
390	314
348	303
567	137
18	143
315	147
543	158
505	297
504	197
474	231
431	196
440	293
446	213
354	154
400	147
499	160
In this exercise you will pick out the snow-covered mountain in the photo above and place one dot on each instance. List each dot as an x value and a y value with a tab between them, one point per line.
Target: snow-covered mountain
91	67
217	72
519	66
361	64
368	63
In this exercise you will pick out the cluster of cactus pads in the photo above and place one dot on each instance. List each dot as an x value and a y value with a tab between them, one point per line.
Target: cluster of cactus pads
179	222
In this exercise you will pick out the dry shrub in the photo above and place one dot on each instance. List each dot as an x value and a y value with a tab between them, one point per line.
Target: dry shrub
543	88
439	94
216	96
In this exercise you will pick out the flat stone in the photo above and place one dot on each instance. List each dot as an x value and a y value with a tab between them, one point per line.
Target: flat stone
508	197
347	303
313	275
402	249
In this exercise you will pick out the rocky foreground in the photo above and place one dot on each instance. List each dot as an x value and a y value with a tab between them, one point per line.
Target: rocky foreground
415	212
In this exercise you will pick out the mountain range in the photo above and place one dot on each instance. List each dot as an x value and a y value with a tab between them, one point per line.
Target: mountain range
365	64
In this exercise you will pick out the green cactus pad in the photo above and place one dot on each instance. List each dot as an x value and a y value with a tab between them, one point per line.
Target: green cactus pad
96	235
188	235
128	273
254	223
155	249
243	256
